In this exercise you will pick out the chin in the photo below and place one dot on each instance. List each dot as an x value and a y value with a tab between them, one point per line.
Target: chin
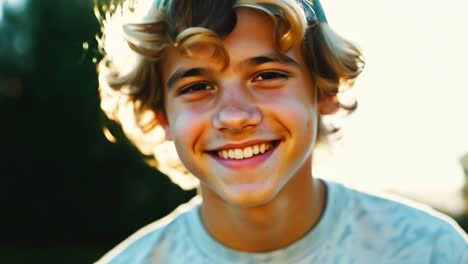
249	195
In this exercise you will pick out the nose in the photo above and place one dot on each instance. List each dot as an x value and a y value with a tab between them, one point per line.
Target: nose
236	112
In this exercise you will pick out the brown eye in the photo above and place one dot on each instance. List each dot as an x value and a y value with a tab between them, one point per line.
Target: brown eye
197	87
270	75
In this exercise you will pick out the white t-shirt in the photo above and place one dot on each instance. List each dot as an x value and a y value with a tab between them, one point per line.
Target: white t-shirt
355	227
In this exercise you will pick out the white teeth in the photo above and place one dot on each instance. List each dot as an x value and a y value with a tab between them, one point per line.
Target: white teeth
262	148
256	149
246	152
239	153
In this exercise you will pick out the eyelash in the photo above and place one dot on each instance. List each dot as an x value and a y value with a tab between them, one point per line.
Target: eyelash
276	75
194	88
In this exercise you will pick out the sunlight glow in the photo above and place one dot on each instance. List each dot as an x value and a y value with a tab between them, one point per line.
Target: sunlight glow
411	127
1	11
16	5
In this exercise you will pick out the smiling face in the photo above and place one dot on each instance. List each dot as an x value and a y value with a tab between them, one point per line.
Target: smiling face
247	129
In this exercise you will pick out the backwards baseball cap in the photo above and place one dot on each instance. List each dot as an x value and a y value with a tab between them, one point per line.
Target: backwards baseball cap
313	11
312	8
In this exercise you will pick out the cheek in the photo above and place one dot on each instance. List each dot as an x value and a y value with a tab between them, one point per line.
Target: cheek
297	110
301	117
187	129
186	126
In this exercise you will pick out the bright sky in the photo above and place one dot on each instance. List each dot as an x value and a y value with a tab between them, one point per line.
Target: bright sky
411	128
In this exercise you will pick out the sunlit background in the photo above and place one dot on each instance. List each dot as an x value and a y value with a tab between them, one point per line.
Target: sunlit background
68	195
411	128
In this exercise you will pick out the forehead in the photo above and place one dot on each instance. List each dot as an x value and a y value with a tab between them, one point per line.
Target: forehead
253	30
253	35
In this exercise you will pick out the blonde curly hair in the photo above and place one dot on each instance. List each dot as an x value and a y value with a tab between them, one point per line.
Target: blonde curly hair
135	35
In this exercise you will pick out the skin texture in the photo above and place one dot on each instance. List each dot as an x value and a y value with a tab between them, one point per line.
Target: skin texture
273	201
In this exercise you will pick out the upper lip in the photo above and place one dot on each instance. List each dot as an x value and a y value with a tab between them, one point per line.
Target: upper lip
241	144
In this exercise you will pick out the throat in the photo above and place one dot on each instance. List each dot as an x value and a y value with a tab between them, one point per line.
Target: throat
267	227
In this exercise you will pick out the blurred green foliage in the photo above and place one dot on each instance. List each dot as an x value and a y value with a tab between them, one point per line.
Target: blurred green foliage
68	195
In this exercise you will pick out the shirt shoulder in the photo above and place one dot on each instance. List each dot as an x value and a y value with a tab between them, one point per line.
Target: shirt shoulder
401	230
159	237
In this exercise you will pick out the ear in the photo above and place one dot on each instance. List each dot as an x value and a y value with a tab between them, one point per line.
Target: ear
328	105
161	118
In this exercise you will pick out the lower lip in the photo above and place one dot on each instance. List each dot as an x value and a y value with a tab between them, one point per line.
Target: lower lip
247	163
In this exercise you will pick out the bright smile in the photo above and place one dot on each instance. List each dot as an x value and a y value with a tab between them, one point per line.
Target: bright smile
245	157
243	153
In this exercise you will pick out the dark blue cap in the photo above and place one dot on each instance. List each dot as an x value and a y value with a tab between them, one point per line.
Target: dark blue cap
314	11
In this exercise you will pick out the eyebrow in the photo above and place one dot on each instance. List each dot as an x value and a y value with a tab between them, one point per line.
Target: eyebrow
184	73
274	57
181	73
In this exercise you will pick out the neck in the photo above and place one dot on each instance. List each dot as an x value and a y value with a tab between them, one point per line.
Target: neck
285	219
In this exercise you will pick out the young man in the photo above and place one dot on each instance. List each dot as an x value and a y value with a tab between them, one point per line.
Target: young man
239	88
